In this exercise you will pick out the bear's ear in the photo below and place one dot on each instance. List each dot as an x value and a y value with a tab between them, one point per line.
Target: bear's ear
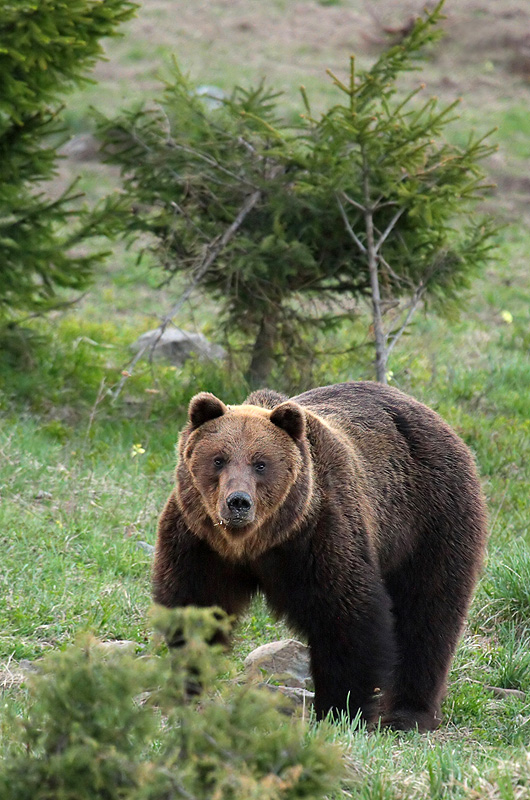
203	407
290	418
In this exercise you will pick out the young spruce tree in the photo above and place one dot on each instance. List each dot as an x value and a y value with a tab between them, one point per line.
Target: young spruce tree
108	724
281	224
46	48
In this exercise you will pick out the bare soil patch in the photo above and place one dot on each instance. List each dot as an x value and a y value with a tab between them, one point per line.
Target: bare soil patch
483	58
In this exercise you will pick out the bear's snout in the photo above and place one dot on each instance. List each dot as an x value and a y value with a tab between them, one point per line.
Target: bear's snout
239	502
239	509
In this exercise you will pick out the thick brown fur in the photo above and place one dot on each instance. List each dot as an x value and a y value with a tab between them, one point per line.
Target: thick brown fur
357	512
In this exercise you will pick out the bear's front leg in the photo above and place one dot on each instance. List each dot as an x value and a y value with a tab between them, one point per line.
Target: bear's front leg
335	598
352	656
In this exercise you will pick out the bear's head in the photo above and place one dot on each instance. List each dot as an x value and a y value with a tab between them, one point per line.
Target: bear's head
244	475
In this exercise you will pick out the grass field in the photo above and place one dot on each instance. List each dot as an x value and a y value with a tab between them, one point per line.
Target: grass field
83	479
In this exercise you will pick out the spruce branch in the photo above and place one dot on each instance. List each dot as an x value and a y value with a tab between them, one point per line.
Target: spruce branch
388	230
348	226
210	254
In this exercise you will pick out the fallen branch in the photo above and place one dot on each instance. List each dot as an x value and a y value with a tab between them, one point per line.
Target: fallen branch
506	693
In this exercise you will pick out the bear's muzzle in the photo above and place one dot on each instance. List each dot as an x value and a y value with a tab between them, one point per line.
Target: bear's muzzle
238	510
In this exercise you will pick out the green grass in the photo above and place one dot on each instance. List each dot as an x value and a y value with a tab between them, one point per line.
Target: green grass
76	502
514	129
70	532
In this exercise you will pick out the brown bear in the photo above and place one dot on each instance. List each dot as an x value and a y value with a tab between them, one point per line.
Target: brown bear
358	513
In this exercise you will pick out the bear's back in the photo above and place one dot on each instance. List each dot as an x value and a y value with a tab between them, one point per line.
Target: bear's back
416	469
373	415
364	402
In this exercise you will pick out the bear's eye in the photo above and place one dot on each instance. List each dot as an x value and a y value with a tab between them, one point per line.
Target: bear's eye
259	466
219	462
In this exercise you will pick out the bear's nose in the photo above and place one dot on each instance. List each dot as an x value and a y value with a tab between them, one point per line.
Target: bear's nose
239	502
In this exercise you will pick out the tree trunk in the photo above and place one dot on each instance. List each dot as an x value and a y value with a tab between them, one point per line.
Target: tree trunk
381	350
262	360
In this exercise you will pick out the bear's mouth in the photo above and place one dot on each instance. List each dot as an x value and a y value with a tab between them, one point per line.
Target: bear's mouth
236	524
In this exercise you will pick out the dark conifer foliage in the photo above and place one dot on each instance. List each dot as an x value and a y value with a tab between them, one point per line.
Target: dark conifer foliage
46	49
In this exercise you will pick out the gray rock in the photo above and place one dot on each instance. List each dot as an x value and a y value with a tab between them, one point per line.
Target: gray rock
25	665
149	548
176	346
299	700
212	96
285	662
119	645
83	147
15	674
42	495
